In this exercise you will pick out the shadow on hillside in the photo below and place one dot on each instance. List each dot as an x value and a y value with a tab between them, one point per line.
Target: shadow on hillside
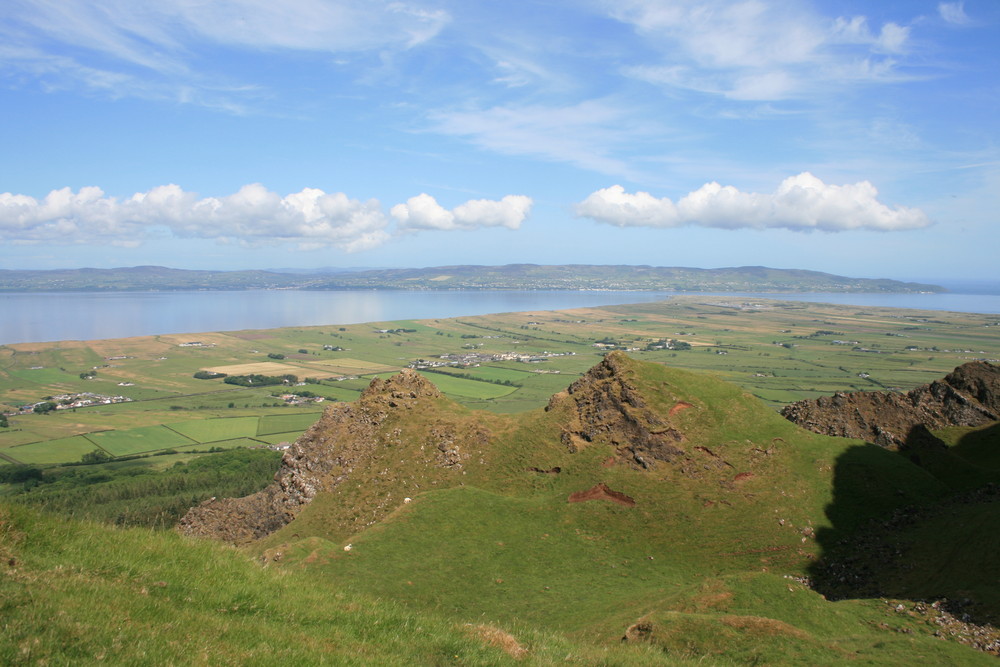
922	524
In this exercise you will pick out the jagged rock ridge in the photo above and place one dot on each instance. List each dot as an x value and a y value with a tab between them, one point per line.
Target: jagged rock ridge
394	431
326	454
968	396
605	405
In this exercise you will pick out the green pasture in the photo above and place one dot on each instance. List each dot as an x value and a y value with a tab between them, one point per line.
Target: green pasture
276	438
12	437
335	391
495	373
61	450
138	440
233	443
212	430
460	387
49	376
283	424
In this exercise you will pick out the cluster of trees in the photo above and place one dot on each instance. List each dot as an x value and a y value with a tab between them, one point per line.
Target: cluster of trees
140	496
257	380
208	375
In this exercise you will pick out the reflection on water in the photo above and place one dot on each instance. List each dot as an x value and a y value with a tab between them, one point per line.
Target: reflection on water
28	318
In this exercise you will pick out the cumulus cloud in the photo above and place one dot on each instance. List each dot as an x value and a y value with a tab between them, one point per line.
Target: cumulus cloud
800	203
423	212
253	215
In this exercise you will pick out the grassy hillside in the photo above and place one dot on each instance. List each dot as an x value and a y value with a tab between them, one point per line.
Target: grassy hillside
78	593
709	562
646	515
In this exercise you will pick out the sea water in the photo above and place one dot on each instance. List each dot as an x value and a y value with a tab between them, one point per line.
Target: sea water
55	316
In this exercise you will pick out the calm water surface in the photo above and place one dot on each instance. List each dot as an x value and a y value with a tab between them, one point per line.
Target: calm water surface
39	317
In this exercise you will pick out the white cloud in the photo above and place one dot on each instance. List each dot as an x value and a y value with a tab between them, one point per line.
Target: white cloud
800	203
143	33
158	50
757	49
583	134
252	215
423	212
954	13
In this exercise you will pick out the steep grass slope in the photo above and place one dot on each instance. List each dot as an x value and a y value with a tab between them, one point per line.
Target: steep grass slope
701	525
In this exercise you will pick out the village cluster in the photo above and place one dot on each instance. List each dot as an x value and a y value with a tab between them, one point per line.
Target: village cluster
68	401
467	359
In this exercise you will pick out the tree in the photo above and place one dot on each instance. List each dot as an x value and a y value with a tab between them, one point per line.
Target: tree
96	456
208	375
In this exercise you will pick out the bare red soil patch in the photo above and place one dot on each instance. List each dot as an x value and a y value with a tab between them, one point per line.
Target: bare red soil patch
742	476
601	492
680	405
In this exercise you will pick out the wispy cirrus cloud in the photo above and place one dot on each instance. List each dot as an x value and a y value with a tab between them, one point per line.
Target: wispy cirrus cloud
587	134
800	203
954	13
759	51
168	49
254	215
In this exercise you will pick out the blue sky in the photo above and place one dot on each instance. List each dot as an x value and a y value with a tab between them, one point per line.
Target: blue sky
856	138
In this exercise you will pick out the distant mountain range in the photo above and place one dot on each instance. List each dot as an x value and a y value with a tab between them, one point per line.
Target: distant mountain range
508	277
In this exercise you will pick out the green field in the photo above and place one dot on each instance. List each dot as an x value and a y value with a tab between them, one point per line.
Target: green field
60	450
473	389
277	438
282	424
138	440
234	443
496	374
212	430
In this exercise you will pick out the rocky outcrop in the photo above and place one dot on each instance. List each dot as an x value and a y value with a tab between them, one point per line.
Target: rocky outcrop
968	396
605	406
345	437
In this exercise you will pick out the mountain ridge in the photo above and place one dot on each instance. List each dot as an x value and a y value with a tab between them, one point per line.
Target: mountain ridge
968	396
465	277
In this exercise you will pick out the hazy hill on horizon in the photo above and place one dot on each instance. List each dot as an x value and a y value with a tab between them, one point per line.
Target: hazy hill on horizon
459	277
